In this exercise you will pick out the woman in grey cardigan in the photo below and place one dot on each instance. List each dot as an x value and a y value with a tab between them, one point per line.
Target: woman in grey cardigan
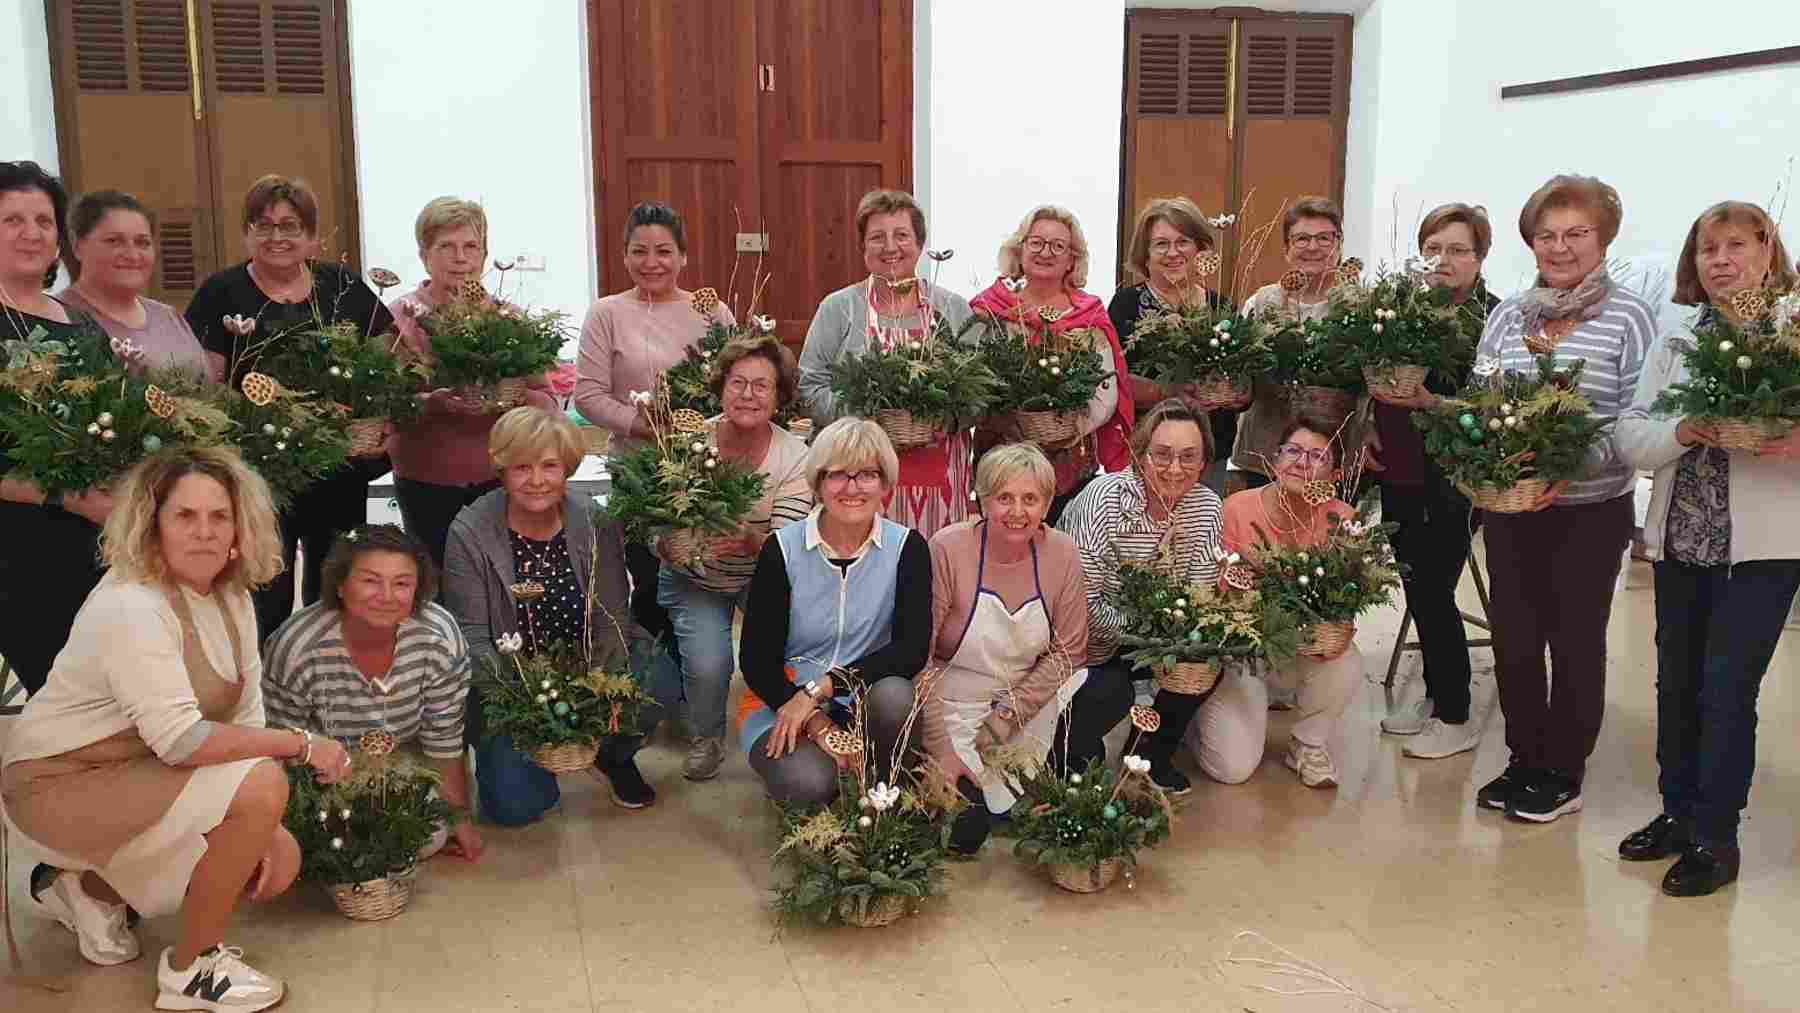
534	529
1723	536
890	306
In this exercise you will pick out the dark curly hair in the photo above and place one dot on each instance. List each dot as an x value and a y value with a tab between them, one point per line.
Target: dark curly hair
763	346
357	542
23	177
657	213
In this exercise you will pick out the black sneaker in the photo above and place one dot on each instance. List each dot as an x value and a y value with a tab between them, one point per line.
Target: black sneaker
1703	869
1545	798
629	789
1172	781
1498	793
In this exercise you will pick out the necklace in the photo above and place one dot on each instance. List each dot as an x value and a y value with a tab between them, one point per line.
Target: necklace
1281	501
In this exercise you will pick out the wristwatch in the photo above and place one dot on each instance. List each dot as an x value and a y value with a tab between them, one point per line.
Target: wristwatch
811	688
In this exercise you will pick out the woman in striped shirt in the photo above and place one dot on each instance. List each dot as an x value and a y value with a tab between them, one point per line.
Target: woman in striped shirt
1553	568
377	655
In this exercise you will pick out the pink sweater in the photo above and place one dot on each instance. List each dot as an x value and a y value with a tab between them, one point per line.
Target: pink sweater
442	447
167	340
1247	522
626	343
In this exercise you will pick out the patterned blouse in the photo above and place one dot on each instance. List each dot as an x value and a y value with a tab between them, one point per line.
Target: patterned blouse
1699	526
557	616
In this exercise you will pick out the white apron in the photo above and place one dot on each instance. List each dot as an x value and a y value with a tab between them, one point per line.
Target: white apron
996	649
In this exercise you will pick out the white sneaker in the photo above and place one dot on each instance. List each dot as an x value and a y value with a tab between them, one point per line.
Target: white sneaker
704	757
1439	740
1312	763
218	980
99	927
1408	718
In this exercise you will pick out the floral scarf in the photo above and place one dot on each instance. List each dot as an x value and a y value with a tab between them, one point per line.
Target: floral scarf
1541	303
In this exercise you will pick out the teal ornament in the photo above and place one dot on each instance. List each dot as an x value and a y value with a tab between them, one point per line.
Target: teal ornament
561	708
152	443
1466	420
1110	812
61	410
1193	635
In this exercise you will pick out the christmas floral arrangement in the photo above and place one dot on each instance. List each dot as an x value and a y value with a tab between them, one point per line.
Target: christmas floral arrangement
872	855
1402	329
677	485
1047	383
1216	349
75	418
1326	587
361	837
1510	435
554	705
486	349
367	377
690	380
1185	632
917	390
1088	826
1743	371
290	438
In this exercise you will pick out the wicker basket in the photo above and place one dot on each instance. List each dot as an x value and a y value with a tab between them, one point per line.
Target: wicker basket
685	545
1395	381
596	440
801	427
572	758
1189	677
1218	392
906	432
1325	403
1087	878
1747	434
367	436
1329	640
1513	499
1049	428
376	899
483	399
873	913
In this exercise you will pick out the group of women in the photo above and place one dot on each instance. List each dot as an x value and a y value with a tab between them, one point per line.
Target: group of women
988	562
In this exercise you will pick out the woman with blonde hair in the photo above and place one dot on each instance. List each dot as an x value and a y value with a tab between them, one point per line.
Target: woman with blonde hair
141	771
1722	534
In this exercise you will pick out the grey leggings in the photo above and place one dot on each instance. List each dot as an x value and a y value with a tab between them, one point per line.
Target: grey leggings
808	776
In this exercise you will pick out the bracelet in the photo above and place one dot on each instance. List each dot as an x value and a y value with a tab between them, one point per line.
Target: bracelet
305	756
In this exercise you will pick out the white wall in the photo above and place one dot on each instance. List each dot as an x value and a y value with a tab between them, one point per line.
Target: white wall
28	115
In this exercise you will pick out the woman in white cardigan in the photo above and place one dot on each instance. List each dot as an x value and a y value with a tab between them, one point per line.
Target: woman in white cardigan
1725	540
140	774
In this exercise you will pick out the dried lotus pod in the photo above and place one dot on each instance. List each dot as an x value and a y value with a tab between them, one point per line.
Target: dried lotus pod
687	420
1540	344
1351	266
1750	304
527	591
471	290
377	743
1318	492
1145	719
1293	281
260	388
1050	315
159	401
1240	576
705	301
1207	264
904	286
383	278
842	742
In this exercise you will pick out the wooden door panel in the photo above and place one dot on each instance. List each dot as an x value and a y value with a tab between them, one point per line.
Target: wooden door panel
1181	156
674	120
815	251
1286	160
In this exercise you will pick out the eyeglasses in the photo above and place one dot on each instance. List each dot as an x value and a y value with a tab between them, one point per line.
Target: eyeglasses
1189	460
1304	239
1314	456
1163	247
868	478
1455	251
449	248
1038	244
898	240
290	229
738	385
1568	237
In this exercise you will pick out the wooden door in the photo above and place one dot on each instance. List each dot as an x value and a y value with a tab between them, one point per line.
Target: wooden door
675	120
837	124
277	101
126	120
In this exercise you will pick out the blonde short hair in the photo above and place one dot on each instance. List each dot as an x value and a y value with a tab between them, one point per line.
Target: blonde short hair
851	442
526	432
131	544
1012	252
1005	463
446	213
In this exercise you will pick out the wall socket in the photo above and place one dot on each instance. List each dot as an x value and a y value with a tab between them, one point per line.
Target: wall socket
529	262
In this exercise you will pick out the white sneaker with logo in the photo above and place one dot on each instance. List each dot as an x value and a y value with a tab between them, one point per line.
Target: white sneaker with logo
1312	763
99	927
1439	740
218	980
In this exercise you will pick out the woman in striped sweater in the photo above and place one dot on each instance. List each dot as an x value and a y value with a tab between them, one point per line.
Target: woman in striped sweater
1554	567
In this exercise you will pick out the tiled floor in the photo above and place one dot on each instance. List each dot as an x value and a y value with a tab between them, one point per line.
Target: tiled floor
1394	885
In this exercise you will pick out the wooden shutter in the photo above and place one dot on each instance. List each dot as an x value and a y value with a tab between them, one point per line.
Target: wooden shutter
277	101
125	121
674	120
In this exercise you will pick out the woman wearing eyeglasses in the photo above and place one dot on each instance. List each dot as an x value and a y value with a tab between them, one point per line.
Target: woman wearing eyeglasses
1043	266
284	286
838	602
1435	520
893	304
1154	507
1232	729
1553	569
753	378
1312	235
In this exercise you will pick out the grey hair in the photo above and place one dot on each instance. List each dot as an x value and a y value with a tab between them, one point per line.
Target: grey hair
851	442
1003	464
1012	252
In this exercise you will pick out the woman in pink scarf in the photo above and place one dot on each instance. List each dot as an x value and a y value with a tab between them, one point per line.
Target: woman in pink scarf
1043	265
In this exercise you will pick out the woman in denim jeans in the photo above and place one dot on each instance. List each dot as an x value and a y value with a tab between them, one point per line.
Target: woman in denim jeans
1723	536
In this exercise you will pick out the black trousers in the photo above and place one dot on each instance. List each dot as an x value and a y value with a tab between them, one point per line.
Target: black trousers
1436	524
428	510
643	565
48	565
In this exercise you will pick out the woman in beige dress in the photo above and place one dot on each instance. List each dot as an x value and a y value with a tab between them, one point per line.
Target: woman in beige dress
139	774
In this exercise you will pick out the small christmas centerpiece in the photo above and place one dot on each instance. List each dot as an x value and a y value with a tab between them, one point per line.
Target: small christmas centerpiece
1402	329
1086	827
1326	587
917	390
360	838
1048	377
1218	351
369	382
555	706
1743	371
487	350
1184	633
285	434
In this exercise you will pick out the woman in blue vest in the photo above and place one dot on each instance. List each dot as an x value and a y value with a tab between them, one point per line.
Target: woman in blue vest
844	595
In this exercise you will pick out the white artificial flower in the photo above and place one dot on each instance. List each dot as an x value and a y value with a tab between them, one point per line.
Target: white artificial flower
1786	310
1136	764
1726	346
883	796
509	643
280	445
1318	571
641	397
763	325
1013	284
1486	366
1743	362
1221	221
1422	265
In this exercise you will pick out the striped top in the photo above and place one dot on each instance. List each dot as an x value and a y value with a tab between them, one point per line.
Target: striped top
786	498
1613	345
1110	522
311	683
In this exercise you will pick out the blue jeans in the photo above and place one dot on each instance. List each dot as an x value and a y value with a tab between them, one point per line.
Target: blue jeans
515	791
702	622
1716	629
